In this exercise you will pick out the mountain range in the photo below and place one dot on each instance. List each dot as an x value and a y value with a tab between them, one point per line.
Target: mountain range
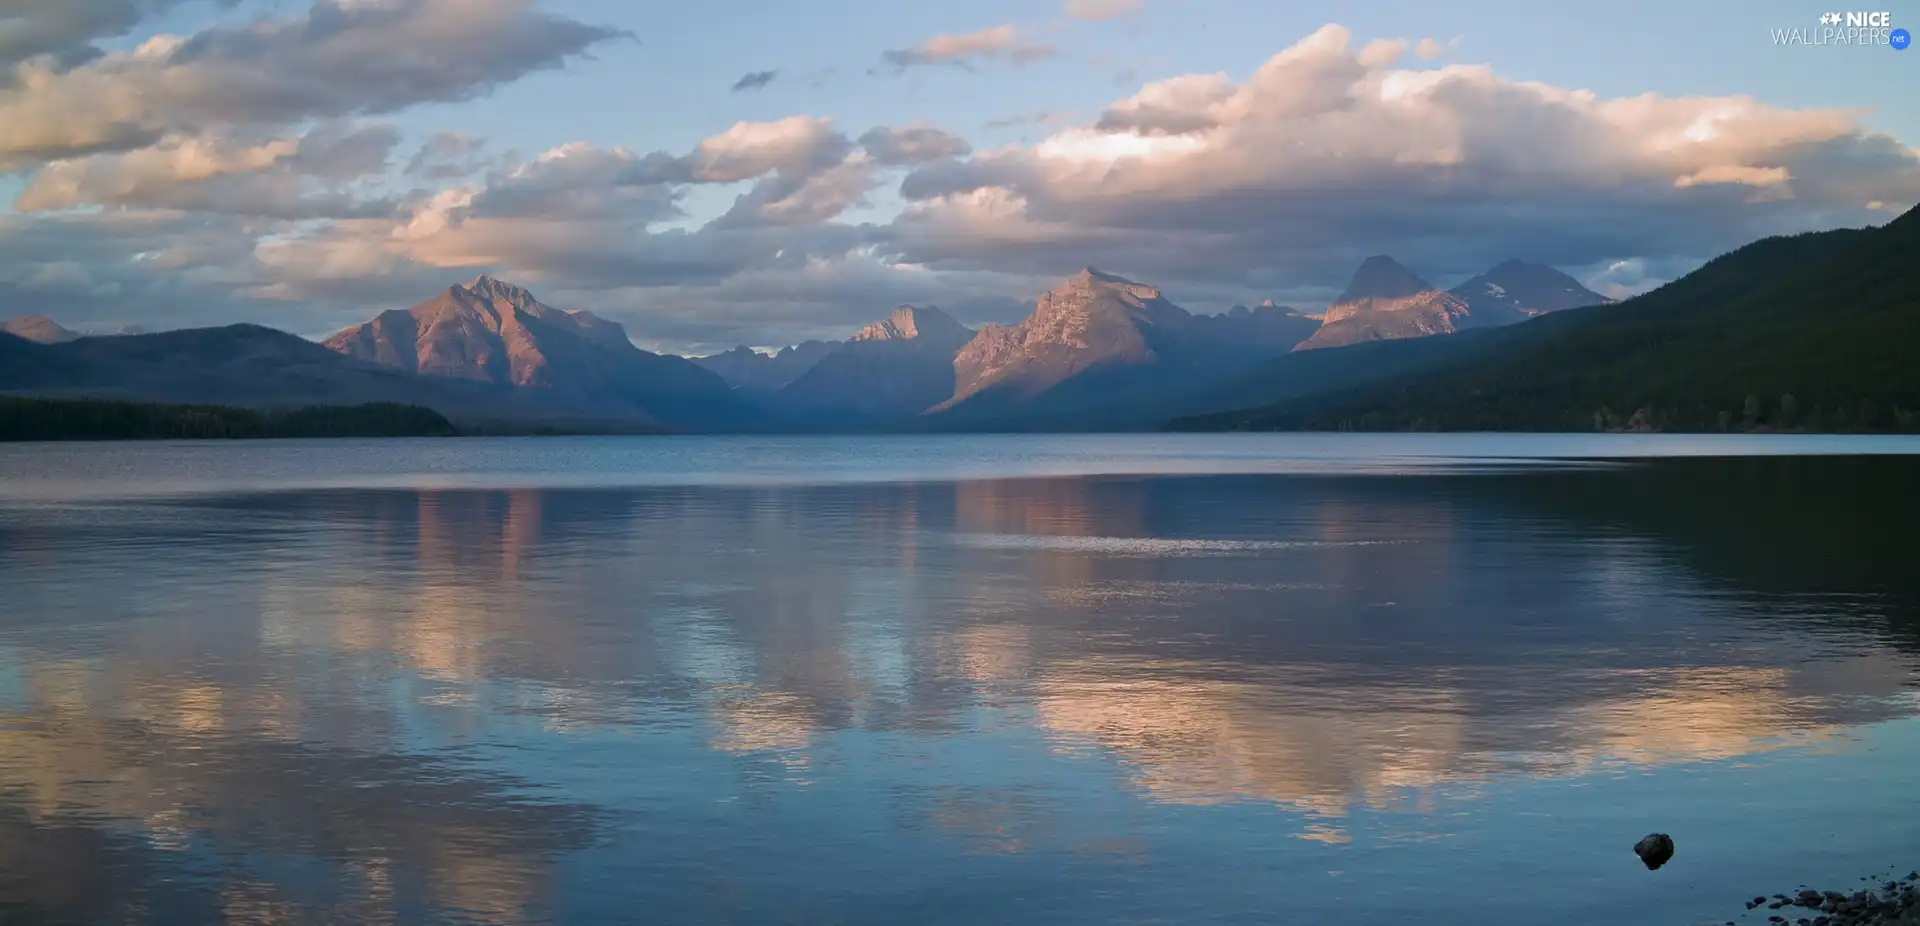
755	373
1386	301
1097	351
1805	332
1093	334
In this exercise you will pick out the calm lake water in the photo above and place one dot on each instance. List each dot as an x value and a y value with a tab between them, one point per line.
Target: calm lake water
1234	679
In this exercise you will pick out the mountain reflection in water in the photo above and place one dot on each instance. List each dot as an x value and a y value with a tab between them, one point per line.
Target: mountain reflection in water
1176	698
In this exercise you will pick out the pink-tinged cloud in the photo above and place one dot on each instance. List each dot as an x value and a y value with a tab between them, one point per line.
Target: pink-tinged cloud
1096	10
964	50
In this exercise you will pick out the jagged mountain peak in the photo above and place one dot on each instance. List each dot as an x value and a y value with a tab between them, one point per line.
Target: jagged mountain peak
760	373
1091	295
908	323
494	332
1093	278
1266	309
488	287
1095	274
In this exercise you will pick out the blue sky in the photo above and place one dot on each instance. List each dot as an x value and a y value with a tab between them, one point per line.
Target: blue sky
1828	140
672	86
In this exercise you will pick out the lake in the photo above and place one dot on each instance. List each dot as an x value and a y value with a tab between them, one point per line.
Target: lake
1362	679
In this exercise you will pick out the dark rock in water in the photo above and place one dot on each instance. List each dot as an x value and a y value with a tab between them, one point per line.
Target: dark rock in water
1654	850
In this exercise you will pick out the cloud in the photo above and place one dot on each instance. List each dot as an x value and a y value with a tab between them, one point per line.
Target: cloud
1324	155
749	149
593	217
139	267
1041	117
570	183
66	30
755	80
963	51
1382	52
803	198
1620	279
602	253
448	156
1175	106
342	58
1095	10
804	170
299	177
1430	49
913	144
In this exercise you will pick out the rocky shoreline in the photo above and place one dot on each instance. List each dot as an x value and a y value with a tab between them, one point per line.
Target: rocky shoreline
1890	901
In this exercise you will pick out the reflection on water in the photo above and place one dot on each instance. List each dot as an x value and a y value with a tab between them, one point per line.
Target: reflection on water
1112	699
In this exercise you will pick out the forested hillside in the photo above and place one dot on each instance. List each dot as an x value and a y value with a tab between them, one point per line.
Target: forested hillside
1814	332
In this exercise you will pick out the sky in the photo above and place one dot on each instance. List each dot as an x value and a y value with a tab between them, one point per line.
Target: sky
733	172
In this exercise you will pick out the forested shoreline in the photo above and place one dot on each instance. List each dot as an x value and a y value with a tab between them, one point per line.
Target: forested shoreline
35	419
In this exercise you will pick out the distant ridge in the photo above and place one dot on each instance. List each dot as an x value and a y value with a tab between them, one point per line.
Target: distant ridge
1386	301
891	370
753	373
38	329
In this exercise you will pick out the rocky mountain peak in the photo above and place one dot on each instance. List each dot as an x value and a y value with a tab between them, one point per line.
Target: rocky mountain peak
1382	278
908	323
1091	278
1096	275
487	288
1521	290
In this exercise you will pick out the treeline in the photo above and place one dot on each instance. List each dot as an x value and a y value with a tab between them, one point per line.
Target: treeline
91	419
1753	414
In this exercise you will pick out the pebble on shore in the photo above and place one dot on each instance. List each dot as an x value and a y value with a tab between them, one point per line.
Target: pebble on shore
1890	902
